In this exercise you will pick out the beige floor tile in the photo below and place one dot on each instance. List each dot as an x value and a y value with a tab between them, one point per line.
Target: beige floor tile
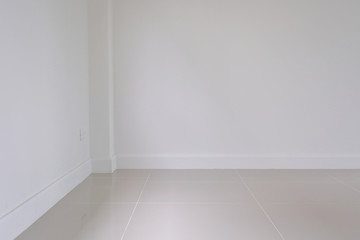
195	192
316	221
209	204
194	175
303	192
132	174
346	175
286	175
98	192
81	222
199	222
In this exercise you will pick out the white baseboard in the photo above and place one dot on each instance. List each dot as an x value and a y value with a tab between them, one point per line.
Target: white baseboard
104	165
236	162
19	219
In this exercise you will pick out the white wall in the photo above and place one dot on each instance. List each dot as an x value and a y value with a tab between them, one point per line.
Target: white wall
101	86
226	83
43	105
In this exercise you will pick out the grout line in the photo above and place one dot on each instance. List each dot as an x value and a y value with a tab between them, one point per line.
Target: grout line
192	203
137	203
344	183
260	206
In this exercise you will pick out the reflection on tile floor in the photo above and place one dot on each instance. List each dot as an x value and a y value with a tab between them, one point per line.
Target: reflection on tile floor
207	205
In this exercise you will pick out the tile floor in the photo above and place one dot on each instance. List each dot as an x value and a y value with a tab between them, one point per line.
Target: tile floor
207	205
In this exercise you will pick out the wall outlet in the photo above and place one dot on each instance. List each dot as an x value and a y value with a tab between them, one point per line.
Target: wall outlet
82	134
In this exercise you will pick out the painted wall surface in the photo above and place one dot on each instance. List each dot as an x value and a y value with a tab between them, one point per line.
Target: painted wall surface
236	78
43	105
101	85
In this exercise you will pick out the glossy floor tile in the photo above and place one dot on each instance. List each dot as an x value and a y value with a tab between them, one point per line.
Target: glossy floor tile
317	221
303	192
194	175
81	222
287	175
207	205
103	190
199	221
195	192
349	178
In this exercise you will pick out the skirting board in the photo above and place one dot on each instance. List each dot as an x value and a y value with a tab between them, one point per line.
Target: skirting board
236	162
104	165
19	219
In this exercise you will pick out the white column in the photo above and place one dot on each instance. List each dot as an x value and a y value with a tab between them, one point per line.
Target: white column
101	86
